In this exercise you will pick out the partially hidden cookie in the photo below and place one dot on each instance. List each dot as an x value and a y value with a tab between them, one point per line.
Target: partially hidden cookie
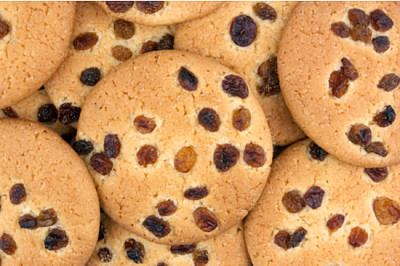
117	246
317	210
159	12
245	36
339	67
180	148
99	43
34	37
49	207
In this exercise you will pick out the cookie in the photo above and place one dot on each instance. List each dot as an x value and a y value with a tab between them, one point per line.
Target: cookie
317	210
117	246
159	12
339	67
180	148
49	207
245	36
99	43
33	39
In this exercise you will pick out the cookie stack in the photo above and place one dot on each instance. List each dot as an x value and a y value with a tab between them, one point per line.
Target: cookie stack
144	133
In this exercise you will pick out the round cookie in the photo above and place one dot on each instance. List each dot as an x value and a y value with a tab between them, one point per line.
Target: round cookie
49	207
99	43
118	246
339	66
159	12
317	210
179	148
245	36
33	39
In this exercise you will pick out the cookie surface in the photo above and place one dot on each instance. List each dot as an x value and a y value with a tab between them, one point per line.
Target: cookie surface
315	204
344	94
184	134
49	207
245	36
33	39
159	12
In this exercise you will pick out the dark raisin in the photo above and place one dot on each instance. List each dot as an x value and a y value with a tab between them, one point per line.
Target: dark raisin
264	11
4	29
85	41
283	239
148	47
166	43
69	136
268	68
243	30
389	82
90	76
293	201
47	113
82	147
124	29
205	219
166	208
102	232
47	217
380	21
314	197
297	237
144	124
338	84
101	163
200	257
157	226
360	134
182	249
104	254
185	159
56	239
9	112
121	53
316	152
348	69
209	119
361	33
358	17
119	6
112	146
134	250
69	113
17	194
196	193
335	222
254	155
358	237
377	174
235	86
7	244
147	154
149	7
241	119
381	44
187	79
377	147
340	29
225	157
27	221
387	211
386	117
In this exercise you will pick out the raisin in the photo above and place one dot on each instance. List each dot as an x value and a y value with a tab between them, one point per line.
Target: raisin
358	237
47	113
69	113
56	239
335	222
124	29
85	41
104	255
121	53
389	82
185	159
209	119
381	44
348	69
377	174
82	147
119	6
338	84
205	219
264	11
386	117
112	146
90	76
17	194
7	244
380	21
144	124
376	147
293	201
297	237
157	226
147	154
166	42
149	7
283	239
162	264
27	221
235	86
269	72
387	211
316	152
241	119
340	29
166	208
358	17
9	112
4	29
243	30
148	47
196	193
134	250
254	155
47	217
182	249
187	79
361	33
200	257
102	232
314	197
101	163
225	157
360	134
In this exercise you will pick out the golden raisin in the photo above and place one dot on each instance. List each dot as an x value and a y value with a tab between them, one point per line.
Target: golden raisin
185	159
121	53
387	211
358	237
358	17
335	222
293	201
264	11
241	119
205	219
124	29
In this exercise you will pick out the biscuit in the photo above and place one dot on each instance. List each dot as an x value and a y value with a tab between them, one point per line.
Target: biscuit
317	210
180	148
339	67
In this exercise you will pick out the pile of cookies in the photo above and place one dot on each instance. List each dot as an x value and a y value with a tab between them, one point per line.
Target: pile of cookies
199	133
